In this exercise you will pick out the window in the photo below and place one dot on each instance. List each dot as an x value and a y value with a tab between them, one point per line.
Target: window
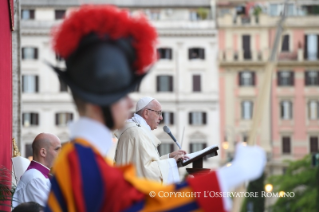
165	148
246	47
168	118
194	147
27	14
164	83
61	119
165	53
285	78
311	47
246	78
311	78
30	84
314	144
241	10
197	118
286	145
313	108
277	9
29	53
28	150
59	14
285	43
196	83
196	53
63	86
152	14
247	110
30	119
286	110
193	15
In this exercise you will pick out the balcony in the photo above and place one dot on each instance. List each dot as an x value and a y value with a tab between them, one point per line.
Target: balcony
230	55
264	20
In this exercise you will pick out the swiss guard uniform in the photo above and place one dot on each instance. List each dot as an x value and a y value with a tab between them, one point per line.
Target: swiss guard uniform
107	52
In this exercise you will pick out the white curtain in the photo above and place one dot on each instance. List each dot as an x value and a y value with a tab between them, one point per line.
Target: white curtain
312	44
29	84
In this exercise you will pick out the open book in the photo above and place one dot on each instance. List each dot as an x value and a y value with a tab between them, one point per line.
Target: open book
200	153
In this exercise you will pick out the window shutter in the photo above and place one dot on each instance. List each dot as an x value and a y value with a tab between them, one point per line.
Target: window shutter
71	116
57	119
31	14
169	52
35	53
171	118
196	83
158	83
23	83
291	110
204	145
23	55
285	43
307	78
36	116
171	147
36	84
23	114
253	75
306	47
202	53
190	118
204	117
191	148
292	78
170	83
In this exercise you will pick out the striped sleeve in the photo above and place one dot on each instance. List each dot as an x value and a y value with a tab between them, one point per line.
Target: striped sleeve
84	181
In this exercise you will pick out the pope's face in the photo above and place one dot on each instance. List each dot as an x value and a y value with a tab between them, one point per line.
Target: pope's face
153	114
120	111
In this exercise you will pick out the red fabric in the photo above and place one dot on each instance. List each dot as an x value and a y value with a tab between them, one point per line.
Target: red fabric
108	20
5	90
119	194
208	182
76	181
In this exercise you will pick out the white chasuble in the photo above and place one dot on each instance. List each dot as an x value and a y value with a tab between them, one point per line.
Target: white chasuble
138	145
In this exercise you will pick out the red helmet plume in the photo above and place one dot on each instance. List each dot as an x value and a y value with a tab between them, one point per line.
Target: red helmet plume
111	21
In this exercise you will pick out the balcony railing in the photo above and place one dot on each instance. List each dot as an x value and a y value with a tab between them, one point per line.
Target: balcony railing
230	55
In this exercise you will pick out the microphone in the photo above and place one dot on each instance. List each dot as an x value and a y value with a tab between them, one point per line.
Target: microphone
168	131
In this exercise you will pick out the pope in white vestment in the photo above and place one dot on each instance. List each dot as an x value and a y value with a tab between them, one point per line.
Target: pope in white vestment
138	145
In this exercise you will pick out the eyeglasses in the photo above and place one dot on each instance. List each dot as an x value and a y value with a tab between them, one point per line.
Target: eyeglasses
158	112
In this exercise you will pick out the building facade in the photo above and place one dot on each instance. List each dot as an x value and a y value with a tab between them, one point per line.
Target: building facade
289	129
184	80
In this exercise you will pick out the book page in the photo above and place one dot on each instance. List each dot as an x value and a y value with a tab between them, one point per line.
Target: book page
195	154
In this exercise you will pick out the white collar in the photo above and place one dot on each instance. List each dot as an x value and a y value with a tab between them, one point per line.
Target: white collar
40	164
92	131
139	120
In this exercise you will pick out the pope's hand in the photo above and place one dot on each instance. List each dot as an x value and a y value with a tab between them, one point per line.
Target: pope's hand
178	155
